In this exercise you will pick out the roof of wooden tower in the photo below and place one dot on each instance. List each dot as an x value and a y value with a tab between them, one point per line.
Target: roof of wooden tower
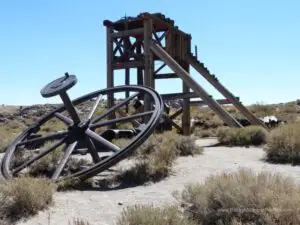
160	21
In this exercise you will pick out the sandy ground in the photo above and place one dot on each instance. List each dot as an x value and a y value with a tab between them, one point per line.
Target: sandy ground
101	207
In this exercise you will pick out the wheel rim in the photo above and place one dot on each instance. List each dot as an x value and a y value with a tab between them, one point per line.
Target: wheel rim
72	137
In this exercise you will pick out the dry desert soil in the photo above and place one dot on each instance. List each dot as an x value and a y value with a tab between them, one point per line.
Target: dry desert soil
103	207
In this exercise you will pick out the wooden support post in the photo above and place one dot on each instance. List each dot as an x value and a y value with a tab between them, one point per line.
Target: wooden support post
140	80
110	71
186	124
127	82
160	52
127	70
148	71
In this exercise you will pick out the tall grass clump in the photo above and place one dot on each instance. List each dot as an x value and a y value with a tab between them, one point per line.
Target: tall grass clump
243	197
154	158
25	196
250	135
283	144
150	215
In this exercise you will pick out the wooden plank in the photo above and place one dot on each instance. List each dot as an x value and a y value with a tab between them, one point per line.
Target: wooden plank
148	61
220	101
124	65
160	23
160	52
166	76
177	113
127	82
159	68
126	33
179	95
110	71
186	123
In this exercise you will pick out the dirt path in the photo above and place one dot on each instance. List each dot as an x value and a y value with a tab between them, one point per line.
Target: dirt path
104	207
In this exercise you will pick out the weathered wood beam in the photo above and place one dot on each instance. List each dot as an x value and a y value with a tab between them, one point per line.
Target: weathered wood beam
160	22
225	92
177	113
220	101
165	76
124	65
186	123
179	95
184	75
174	124
119	46
110	71
127	33
148	61
159	68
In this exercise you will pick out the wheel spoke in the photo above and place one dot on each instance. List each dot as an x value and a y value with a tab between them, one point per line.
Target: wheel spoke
105	143
135	123
95	107
64	119
38	156
109	111
54	136
64	160
92	150
118	120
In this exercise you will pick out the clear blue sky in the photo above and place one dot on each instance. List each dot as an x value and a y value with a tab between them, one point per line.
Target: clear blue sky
253	46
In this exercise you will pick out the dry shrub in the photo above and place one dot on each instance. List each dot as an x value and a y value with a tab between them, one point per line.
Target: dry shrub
250	135
260	109
25	196
243	197
283	144
202	133
121	142
186	145
80	222
74	184
153	166
170	143
47	164
155	157
8	131
150	215
5	222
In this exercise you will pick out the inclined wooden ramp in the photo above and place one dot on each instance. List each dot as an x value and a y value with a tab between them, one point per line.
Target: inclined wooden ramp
185	76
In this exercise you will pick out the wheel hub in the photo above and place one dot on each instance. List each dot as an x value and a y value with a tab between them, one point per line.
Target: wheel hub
79	129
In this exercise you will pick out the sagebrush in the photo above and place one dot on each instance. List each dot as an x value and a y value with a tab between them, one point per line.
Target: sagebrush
283	144
150	215
25	196
243	197
250	135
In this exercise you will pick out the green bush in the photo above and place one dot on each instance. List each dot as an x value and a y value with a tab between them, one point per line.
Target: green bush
250	135
283	144
150	215
243	197
25	196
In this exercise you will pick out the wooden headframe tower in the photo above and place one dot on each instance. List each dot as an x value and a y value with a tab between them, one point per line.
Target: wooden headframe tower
139	42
